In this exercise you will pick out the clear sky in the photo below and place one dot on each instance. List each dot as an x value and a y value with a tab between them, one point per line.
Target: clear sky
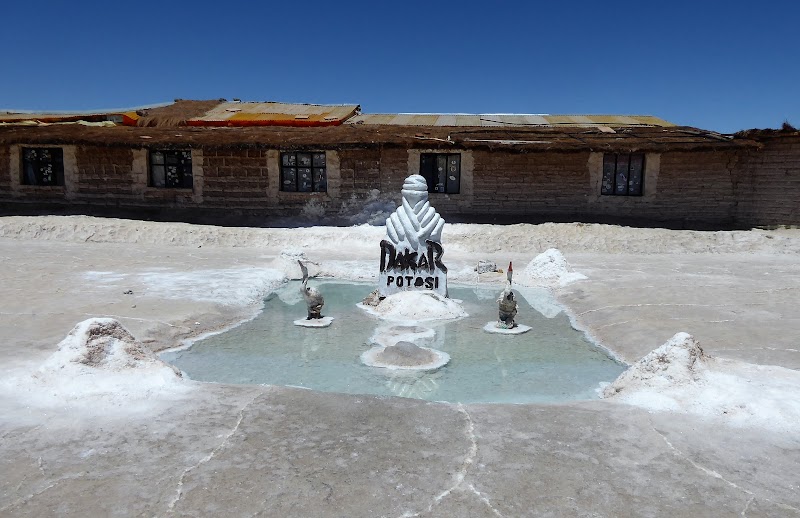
721	65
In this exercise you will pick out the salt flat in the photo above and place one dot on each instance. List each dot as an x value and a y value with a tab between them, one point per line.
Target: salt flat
211	449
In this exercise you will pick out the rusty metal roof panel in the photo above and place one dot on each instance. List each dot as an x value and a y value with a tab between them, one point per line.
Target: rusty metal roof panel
494	120
277	114
606	120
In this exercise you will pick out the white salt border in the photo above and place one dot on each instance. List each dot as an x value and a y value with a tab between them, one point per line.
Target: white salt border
314	322
492	327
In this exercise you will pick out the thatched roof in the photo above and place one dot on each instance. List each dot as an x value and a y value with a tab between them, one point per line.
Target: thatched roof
514	139
786	130
175	114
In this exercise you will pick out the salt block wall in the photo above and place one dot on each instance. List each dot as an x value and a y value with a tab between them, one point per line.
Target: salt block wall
5	173
696	186
749	187
104	174
768	187
235	178
530	183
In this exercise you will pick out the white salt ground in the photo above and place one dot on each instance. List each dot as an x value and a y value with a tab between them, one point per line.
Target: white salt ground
230	286
679	377
741	394
361	240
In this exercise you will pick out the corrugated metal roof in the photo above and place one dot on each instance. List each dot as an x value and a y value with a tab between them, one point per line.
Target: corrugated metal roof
275	114
504	119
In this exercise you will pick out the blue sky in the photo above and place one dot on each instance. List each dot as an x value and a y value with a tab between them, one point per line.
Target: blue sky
721	65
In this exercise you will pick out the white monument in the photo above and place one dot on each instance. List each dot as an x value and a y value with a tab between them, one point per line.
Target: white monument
411	253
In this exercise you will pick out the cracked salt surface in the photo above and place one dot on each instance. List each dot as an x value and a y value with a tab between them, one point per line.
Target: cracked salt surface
552	362
207	458
714	474
461	474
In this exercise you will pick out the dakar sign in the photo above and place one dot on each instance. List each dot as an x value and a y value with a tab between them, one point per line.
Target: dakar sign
411	254
416	270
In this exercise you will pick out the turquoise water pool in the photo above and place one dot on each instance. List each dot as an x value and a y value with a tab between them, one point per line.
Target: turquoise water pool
552	362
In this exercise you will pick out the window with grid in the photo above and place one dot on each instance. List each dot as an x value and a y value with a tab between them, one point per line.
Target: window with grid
171	169
622	174
442	171
42	166
304	172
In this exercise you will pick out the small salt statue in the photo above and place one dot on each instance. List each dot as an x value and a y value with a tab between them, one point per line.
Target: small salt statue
507	304
312	296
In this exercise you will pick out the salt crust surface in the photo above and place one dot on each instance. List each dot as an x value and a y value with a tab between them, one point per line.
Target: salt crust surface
230	286
679	377
465	238
99	367
416	306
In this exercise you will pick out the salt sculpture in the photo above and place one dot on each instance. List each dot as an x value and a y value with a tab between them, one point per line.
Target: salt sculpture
507	304
411	253
507	311
312	296
314	303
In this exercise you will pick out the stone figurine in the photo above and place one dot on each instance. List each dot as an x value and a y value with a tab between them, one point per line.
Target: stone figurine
312	296
507	304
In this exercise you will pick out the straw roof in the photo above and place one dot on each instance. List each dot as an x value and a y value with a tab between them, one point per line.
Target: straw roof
176	114
515	139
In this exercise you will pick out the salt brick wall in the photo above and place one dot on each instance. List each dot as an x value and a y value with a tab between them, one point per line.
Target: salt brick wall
104	174
745	187
5	173
361	171
769	184
696	186
530	183
235	178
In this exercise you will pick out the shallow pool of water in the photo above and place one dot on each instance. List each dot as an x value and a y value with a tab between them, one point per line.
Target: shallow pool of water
552	362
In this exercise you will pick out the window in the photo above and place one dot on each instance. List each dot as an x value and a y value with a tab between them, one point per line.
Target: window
171	169
441	171
303	172
623	174
42	166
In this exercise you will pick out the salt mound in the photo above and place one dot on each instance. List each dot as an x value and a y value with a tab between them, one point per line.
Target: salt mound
104	344
100	369
548	268
405	356
418	306
679	361
679	377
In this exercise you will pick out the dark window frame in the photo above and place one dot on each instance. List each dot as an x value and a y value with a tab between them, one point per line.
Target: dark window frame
438	171
623	174
304	171
42	166
181	175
